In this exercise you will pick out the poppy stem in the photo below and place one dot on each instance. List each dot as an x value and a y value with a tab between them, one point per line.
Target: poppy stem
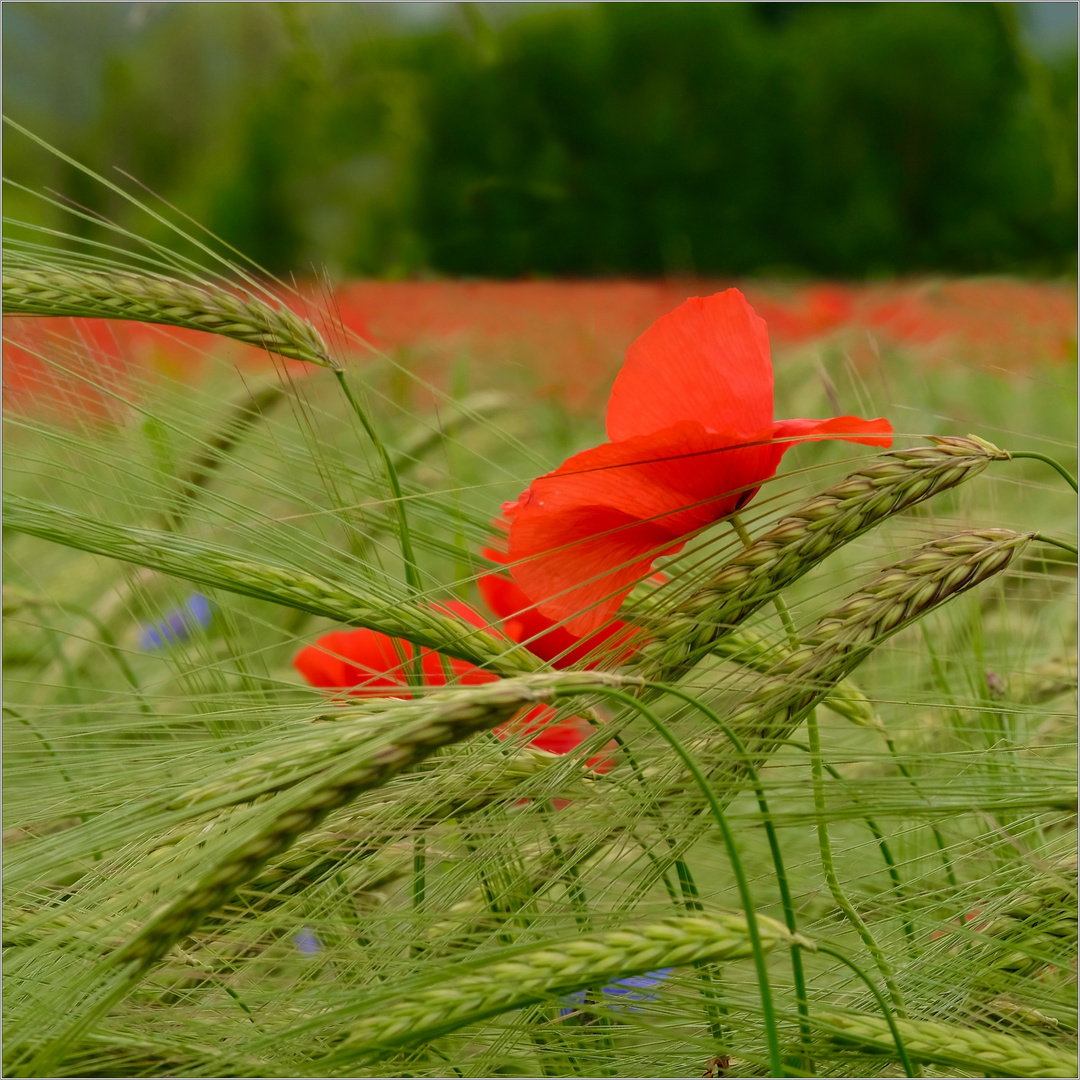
778	600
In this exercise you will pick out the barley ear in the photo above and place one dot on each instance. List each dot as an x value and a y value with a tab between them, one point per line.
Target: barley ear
885	486
558	969
350	762
42	289
904	593
753	651
989	1053
215	567
901	595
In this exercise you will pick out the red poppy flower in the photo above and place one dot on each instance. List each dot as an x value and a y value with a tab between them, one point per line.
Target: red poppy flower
373	664
692	439
522	622
367	662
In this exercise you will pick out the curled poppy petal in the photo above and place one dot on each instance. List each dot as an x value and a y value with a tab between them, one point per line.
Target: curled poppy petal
692	440
708	360
878	432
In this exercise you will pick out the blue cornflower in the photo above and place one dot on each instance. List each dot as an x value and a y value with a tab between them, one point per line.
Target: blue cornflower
178	624
621	988
307	942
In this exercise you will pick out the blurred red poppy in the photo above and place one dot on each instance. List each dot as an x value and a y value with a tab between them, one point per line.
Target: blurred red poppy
368	663
692	439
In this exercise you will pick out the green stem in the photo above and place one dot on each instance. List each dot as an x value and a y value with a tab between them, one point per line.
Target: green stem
576	893
786	902
490	896
688	886
768	1009
824	846
659	870
419	881
1056	465
827	866
714	1009
879	836
901	1050
939	840
943	684
47	746
414	671
412	573
1056	543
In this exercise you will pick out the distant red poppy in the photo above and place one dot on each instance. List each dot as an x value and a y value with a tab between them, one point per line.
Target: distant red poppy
368	663
693	437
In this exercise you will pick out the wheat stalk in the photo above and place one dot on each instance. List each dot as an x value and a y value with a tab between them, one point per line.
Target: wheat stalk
151	298
341	763
887	485
990	1053
558	969
216	567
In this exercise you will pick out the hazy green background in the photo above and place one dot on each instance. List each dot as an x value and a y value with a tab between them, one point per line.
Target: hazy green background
573	139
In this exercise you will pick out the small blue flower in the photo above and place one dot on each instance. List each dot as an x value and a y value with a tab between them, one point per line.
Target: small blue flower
621	988
307	942
179	623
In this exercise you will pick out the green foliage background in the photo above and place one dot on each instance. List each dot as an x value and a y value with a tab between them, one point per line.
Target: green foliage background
580	139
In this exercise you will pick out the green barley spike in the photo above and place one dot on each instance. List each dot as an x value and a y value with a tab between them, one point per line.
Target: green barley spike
557	969
352	763
209	565
841	640
45	290
989	1053
887	485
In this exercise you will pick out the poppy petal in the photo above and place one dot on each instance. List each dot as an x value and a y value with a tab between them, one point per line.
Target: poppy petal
708	360
559	738
788	433
354	658
522	622
368	661
581	536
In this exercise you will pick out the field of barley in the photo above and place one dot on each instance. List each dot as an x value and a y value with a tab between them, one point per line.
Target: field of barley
540	540
368	714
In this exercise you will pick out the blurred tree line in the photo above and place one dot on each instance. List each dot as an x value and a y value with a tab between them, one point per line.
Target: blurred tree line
840	139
